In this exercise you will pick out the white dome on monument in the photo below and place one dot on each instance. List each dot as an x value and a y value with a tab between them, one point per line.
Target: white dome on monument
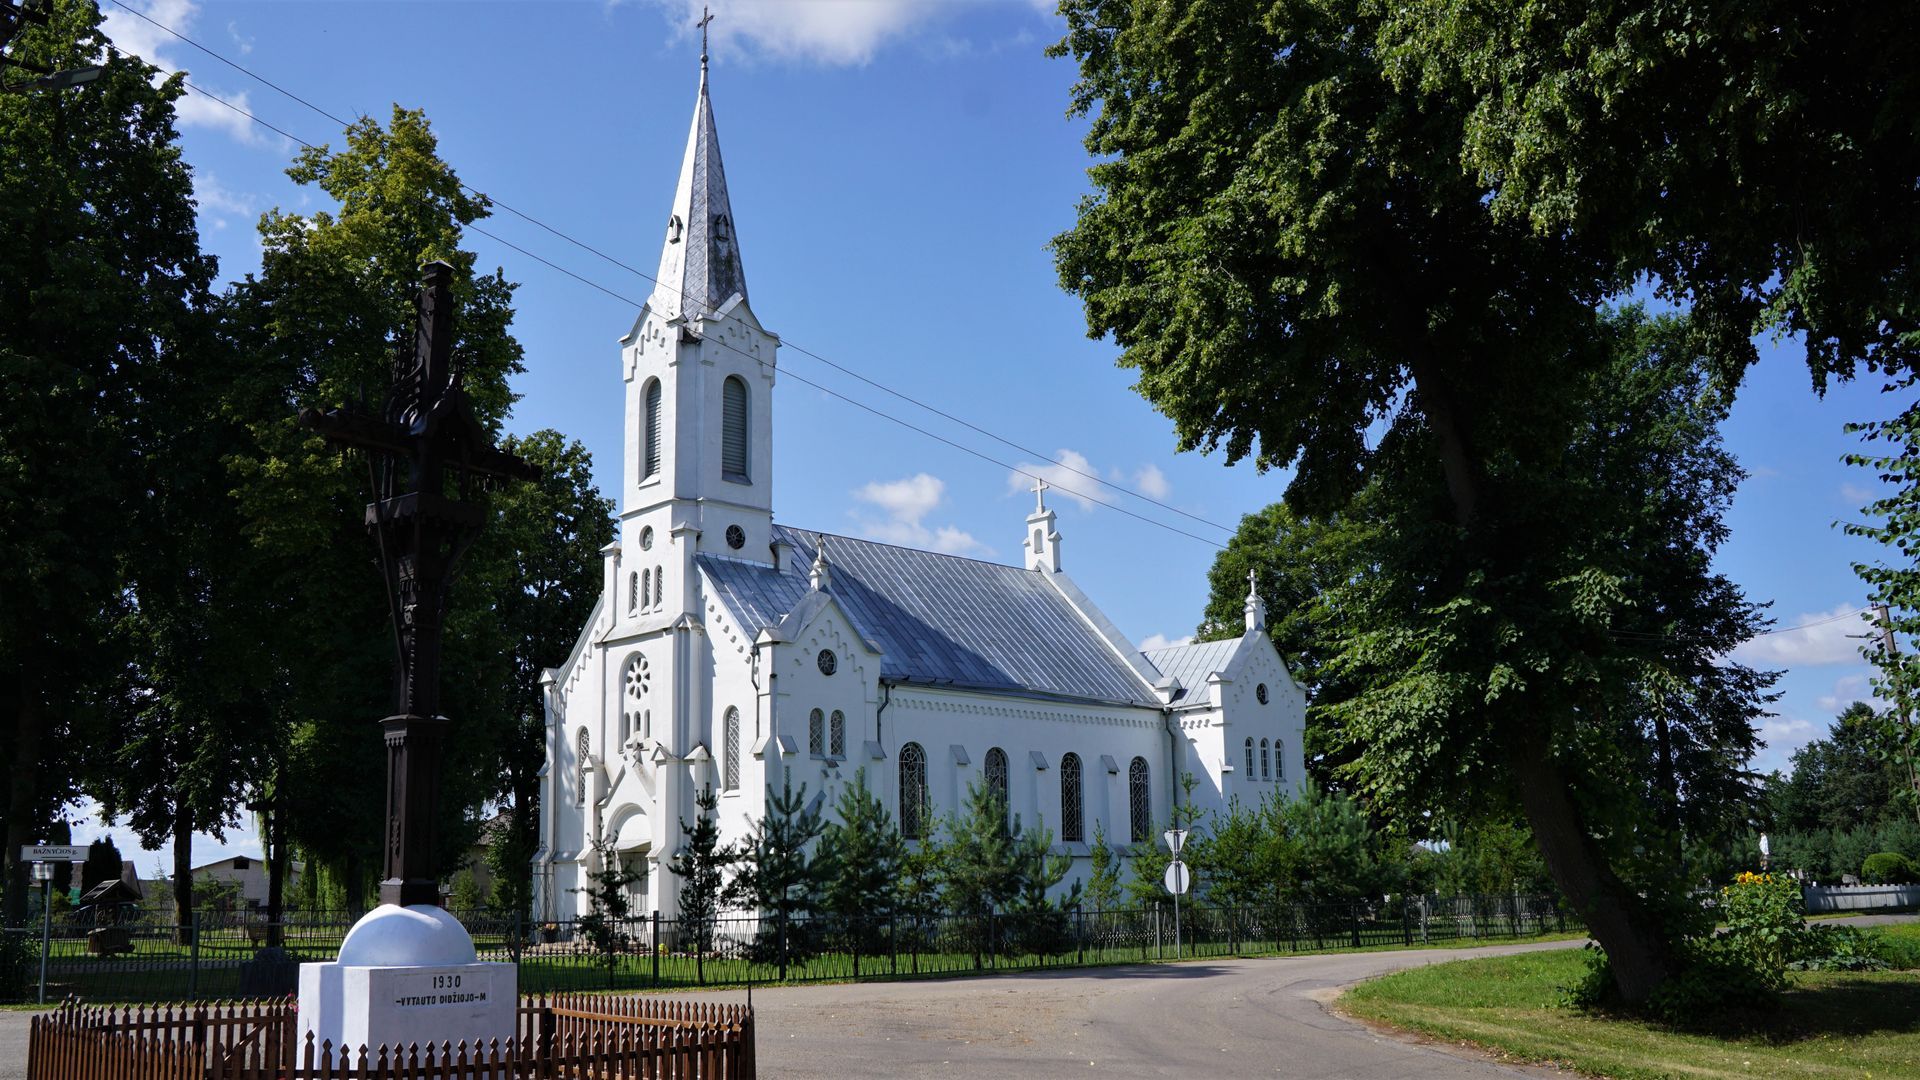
394	936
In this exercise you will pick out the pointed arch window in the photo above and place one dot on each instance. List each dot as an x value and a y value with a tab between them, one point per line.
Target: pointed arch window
817	733
731	739
1139	801
650	430
733	429
1264	774
581	748
1250	773
913	791
1072	824
837	734
1279	761
995	774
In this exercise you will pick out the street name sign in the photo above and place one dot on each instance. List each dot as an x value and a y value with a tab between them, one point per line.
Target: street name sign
53	853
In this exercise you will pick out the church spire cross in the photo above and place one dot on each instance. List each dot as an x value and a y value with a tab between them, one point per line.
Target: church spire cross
1256	607
705	18
1039	490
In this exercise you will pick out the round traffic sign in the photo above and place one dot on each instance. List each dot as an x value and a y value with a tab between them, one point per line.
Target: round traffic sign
1178	878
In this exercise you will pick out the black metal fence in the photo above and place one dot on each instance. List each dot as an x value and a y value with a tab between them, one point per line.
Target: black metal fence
241	955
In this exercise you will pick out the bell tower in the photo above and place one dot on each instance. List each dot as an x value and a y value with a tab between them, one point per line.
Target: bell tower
699	374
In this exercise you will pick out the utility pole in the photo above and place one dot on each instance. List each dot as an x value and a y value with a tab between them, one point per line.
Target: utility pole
1898	679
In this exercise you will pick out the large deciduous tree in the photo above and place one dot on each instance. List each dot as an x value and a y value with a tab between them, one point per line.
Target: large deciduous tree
1286	247
320	324
101	285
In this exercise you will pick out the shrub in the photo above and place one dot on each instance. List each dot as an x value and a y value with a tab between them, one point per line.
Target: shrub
1841	948
1887	868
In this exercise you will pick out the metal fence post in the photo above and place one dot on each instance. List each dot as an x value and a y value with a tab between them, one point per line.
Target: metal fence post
1156	930
1353	919
1406	920
655	948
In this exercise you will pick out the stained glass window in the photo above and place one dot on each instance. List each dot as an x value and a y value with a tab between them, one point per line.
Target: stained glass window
837	734
1264	774
996	776
1279	761
1249	757
817	733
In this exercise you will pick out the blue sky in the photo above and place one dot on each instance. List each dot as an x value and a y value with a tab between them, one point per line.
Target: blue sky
896	170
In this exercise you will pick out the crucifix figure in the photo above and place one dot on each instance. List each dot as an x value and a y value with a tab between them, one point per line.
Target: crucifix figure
427	457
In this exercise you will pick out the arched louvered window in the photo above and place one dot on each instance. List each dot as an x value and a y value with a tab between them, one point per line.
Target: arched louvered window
1279	761
659	586
581	748
1250	773
1264	774
633	593
837	734
817	733
1139	801
650	430
1072	824
995	773
913	791
646	590
731	737
733	428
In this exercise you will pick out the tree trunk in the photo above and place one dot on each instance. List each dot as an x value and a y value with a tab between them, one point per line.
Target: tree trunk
23	776
1617	918
183	874
275	841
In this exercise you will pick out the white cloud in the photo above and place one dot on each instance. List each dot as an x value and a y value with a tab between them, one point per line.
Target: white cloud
1846	690
1151	482
818	31
132	34
216	198
1162	641
1855	495
1070	477
1829	638
906	503
240	41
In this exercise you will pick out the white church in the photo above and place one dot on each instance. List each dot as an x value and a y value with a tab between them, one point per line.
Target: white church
727	651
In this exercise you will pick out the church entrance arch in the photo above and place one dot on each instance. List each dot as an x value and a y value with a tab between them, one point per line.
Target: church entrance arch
632	850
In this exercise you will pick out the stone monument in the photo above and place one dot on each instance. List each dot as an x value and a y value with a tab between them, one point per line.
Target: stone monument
407	972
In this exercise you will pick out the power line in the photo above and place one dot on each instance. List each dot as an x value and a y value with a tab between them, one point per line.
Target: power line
1650	635
762	362
636	271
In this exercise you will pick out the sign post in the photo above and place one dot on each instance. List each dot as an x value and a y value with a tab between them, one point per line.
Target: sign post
43	856
1177	880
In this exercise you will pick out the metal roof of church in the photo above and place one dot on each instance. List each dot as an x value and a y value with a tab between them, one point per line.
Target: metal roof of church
939	619
1192	663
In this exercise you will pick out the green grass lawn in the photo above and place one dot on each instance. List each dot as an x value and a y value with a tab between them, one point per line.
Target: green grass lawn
1831	1024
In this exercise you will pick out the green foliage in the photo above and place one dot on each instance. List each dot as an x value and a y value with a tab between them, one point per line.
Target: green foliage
1764	919
465	893
103	289
1842	781
1104	869
701	864
861	864
1887	868
1529	621
609	907
1842	948
103	864
779	876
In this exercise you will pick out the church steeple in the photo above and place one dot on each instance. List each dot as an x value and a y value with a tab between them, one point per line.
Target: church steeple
700	267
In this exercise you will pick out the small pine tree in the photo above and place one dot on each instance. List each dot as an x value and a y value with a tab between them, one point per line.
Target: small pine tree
609	906
701	864
1103	880
779	877
861	867
1150	858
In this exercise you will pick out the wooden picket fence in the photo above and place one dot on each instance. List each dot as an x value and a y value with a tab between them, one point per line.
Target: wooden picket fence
559	1037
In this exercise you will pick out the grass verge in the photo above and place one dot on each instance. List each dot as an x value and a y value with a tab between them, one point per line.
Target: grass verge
1832	1024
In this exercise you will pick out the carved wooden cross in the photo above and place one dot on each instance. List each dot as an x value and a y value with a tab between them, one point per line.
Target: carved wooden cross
427	456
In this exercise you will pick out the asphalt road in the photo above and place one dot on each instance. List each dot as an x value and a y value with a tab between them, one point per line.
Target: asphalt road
1218	1018
1226	1018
